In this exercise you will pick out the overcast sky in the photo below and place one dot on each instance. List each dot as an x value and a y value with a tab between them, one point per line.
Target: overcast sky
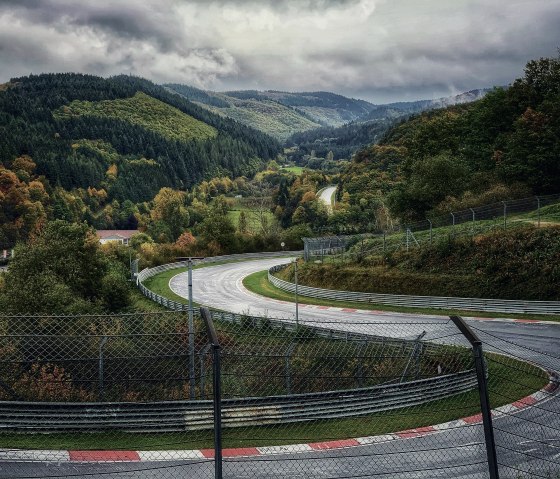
379	50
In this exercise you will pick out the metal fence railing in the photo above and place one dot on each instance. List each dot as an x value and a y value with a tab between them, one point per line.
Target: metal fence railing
410	301
394	398
537	210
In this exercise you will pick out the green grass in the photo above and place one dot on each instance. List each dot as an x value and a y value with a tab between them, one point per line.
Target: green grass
297	170
253	221
527	380
145	111
258	283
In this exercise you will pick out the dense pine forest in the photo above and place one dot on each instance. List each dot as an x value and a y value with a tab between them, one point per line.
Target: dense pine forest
39	117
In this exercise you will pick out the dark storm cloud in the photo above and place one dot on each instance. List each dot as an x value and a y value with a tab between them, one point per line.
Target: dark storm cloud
379	49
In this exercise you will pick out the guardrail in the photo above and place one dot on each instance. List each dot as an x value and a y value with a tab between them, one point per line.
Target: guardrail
178	416
436	302
177	306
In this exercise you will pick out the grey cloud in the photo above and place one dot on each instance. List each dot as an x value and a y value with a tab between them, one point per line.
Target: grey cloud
377	49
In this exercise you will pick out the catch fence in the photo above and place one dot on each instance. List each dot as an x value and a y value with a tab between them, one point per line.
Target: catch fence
536	210
111	396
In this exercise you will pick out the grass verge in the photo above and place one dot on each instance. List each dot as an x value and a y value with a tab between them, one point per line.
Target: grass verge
258	283
502	391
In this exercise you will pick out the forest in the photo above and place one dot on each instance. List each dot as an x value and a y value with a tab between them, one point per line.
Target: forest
46	116
86	149
503	146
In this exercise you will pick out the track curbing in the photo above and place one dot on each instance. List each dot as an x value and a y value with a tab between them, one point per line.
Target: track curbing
91	456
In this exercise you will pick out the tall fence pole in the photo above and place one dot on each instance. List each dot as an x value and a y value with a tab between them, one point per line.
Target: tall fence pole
538	212
216	390
101	385
478	355
296	293
505	214
192	384
192	377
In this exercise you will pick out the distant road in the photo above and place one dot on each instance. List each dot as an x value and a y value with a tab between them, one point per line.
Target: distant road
326	196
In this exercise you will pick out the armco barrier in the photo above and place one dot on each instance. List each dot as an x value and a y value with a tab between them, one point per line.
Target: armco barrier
177	416
437	302
175	305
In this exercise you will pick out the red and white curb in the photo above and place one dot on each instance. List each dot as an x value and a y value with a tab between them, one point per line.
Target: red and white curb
375	312
198	454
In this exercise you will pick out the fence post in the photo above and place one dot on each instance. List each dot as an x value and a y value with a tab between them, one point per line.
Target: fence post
288	371
505	214
478	355
413	354
216	391
473	220
538	212
360	368
203	353
101	384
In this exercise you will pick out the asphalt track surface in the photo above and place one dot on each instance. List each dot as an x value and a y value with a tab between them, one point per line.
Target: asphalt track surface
326	196
528	441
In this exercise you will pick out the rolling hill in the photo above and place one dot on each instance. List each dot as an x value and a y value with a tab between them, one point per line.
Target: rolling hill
279	114
123	134
345	140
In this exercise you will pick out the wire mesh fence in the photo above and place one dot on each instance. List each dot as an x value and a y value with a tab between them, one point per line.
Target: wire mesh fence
538	211
113	396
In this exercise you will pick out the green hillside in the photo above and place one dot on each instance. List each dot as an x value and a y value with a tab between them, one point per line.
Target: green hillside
123	135
280	114
503	146
144	111
266	115
521	263
272	118
323	107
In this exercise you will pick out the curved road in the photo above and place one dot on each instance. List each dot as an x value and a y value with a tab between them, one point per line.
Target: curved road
326	196
527	441
222	287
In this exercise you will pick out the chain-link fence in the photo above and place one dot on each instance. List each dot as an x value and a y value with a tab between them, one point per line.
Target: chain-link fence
536	210
132	396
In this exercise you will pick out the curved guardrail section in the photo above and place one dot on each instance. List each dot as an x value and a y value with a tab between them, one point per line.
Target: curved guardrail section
437	302
175	305
178	416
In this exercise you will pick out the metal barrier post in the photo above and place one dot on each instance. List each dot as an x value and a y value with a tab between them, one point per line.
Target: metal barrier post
476	344
538	212
505	214
101	386
288	371
296	293
217	391
192	377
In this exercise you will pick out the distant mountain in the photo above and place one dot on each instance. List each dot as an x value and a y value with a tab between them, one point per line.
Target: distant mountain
123	134
324	107
369	128
279	114
398	109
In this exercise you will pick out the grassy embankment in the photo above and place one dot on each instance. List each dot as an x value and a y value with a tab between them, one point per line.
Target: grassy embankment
521	263
502	391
